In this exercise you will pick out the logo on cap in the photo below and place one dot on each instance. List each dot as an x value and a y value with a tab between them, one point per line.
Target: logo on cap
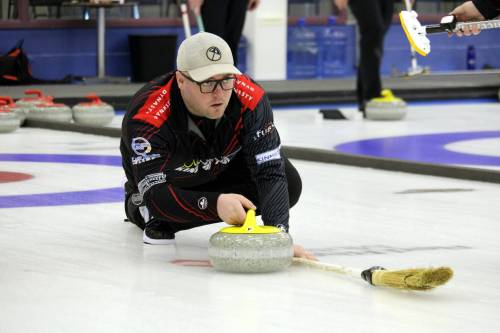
213	53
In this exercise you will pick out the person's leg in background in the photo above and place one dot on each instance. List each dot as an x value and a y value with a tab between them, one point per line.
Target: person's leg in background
225	18
387	7
215	14
234	27
371	16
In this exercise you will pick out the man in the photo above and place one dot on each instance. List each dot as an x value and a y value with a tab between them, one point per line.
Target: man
200	146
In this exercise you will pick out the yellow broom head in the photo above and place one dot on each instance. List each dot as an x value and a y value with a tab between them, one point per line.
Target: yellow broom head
415	32
413	279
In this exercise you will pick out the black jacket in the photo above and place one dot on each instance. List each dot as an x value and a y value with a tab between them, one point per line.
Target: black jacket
165	154
488	8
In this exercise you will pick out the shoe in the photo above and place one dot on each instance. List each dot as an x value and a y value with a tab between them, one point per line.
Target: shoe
158	232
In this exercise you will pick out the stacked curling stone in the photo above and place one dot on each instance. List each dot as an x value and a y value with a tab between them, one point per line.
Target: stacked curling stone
49	111
28	103
9	121
250	248
95	112
19	111
386	107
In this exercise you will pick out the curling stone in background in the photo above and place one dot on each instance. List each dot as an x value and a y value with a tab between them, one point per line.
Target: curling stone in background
9	122
29	102
250	248
95	112
387	107
20	112
50	111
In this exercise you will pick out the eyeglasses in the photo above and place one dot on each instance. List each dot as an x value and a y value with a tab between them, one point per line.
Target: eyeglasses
209	86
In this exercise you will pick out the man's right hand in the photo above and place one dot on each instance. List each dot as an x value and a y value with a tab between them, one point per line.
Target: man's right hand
231	208
467	12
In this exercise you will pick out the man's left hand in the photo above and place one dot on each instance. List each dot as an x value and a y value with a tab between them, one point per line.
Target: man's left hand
300	252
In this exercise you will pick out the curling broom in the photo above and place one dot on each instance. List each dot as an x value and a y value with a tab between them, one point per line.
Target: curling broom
415	69
405	279
417	33
185	18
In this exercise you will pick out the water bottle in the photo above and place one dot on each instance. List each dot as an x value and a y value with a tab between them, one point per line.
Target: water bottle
302	52
333	43
471	57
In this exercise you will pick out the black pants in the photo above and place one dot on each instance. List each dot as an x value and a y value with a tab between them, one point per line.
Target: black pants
235	179
225	18
374	19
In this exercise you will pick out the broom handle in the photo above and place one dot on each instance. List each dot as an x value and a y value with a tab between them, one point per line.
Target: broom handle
185	19
353	272
483	25
199	20
413	58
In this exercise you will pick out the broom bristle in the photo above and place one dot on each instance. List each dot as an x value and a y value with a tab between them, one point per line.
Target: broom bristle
413	279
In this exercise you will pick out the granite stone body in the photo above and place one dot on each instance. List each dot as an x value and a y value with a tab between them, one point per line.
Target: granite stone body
50	112
395	110
29	103
250	253
20	112
9	122
96	114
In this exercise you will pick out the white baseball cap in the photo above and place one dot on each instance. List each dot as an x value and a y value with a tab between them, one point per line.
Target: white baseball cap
204	55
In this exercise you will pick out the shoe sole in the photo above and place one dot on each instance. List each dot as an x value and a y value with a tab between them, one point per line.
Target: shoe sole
152	241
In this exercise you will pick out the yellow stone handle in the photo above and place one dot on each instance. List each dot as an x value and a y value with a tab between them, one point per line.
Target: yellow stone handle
250	221
250	226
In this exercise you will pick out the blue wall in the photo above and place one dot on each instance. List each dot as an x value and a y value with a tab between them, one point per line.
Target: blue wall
57	52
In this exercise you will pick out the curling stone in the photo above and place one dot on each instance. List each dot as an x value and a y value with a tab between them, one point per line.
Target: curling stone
250	248
95	112
50	111
20	112
9	122
386	107
29	102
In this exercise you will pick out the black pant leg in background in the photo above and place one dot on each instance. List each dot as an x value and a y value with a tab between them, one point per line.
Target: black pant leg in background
225	18
373	18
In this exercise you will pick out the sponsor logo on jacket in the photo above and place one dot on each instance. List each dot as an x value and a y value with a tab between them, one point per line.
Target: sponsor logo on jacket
156	108
142	148
194	165
268	156
263	131
151	180
248	92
